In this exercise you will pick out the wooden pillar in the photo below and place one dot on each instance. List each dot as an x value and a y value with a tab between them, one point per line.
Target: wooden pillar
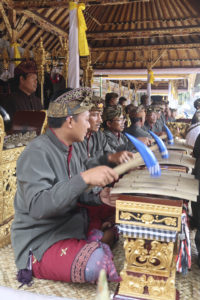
40	61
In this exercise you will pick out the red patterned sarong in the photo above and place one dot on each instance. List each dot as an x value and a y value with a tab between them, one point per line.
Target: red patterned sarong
66	260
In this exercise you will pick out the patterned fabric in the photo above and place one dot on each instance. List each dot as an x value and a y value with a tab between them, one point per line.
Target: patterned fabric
183	261
26	67
74	260
98	103
101	258
147	233
112	112
73	102
80	262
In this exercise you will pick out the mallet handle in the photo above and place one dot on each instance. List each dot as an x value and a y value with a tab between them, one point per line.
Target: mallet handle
132	163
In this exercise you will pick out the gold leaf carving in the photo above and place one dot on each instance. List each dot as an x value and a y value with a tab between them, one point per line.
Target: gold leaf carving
160	289
159	257
148	218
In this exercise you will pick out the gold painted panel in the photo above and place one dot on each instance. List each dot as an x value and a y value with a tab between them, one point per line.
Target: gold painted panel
149	215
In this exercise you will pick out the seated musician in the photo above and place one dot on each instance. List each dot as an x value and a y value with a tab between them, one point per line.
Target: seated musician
150	121
137	117
49	224
25	77
173	115
113	127
144	101
160	119
95	149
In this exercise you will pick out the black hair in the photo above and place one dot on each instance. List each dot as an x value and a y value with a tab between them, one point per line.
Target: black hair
122	99
134	120
196	103
143	99
16	81
56	122
129	107
110	96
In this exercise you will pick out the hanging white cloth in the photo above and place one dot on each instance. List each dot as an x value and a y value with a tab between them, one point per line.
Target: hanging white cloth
74	67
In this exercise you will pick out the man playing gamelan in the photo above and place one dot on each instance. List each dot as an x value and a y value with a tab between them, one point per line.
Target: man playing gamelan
49	223
95	149
113	127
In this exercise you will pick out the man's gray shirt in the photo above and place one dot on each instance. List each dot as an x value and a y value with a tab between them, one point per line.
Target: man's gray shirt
46	199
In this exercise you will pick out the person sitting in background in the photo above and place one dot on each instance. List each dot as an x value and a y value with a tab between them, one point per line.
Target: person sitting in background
150	120
51	231
160	119
128	109
111	99
173	115
122	101
144	101
113	127
194	130
137	117
25	77
167	112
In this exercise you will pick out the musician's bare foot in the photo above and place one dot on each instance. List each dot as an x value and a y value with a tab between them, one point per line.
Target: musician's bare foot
108	237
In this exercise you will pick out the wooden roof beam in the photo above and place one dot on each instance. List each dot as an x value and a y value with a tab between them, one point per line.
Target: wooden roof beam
172	31
112	2
6	21
142	61
152	21
45	23
65	3
8	3
34	4
146	47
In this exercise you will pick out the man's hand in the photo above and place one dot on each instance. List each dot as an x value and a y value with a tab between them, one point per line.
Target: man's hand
147	141
120	157
107	198
99	176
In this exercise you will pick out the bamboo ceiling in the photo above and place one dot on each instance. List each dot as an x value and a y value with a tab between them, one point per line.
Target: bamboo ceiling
129	34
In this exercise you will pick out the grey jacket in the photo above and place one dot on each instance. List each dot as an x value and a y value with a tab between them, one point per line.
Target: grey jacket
147	127
118	143
137	131
94	150
46	199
